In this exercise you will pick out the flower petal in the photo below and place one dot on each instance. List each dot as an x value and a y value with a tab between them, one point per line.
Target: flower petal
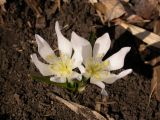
117	60
58	79
76	75
77	58
82	69
101	85
81	47
101	46
77	61
44	49
43	68
64	44
113	77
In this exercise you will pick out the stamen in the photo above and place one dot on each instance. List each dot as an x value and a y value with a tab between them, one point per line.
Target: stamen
96	69
62	67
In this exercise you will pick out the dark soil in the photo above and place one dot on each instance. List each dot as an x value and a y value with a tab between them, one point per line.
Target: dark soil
21	98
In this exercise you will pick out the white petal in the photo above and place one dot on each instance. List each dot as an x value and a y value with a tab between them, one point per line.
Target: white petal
76	75
82	46
113	77
77	62
43	68
77	58
58	79
82	69
64	44
101	46
117	60
99	84
44	49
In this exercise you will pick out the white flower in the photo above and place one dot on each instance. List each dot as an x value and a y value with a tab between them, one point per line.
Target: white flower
96	69
59	68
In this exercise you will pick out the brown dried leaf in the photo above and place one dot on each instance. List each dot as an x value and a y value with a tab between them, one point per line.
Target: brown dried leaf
93	1
136	19
155	82
79	109
109	9
148	9
157	27
125	1
2	7
148	37
2	11
2	2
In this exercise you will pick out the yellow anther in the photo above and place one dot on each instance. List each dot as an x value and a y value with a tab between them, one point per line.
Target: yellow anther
96	69
62	67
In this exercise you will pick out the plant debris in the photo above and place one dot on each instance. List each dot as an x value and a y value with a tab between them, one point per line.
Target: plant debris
155	82
40	18
148	9
2	11
79	109
150	38
108	9
156	27
136	19
2	2
22	98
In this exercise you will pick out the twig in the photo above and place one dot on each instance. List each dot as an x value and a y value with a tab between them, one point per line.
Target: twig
79	109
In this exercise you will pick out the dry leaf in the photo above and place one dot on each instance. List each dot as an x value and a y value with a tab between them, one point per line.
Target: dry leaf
148	37
148	9
157	27
2	11
79	109
2	2
2	7
109	9
155	82
93	1
125	1
136	19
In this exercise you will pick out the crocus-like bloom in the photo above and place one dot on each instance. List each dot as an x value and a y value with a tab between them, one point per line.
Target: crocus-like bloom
59	68
96	70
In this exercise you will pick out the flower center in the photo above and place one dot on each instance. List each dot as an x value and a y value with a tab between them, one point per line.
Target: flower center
62	67
96	69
